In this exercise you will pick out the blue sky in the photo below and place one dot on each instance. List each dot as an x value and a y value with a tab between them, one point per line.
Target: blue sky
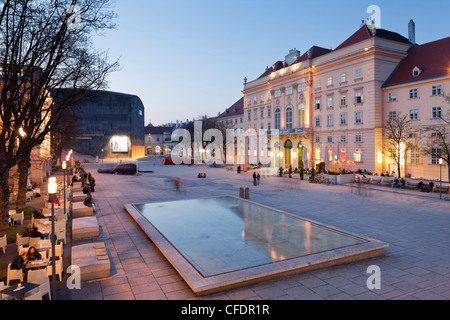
186	58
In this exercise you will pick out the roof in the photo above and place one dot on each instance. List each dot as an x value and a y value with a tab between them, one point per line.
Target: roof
433	59
315	52
157	130
364	33
235	110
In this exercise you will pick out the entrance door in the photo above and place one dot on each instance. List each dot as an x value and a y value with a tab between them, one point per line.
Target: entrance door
288	154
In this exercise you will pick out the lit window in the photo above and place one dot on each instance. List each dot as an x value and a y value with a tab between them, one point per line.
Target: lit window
317	154
357	155
330	81
415	155
343	158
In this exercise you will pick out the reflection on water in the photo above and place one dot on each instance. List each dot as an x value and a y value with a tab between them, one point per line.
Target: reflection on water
220	235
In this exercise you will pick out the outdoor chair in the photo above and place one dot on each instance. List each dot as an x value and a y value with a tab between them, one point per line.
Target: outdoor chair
22	241
16	218
13	275
59	268
34	275
3	243
44	284
34	242
33	296
58	252
29	195
21	249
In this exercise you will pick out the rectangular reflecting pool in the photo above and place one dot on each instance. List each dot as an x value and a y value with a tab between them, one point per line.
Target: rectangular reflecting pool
224	242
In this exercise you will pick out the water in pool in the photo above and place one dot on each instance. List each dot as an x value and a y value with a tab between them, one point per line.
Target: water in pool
225	234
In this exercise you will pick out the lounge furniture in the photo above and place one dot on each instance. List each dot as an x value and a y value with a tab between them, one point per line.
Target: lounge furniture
92	260
13	275
3	243
78	197
78	210
85	228
22	241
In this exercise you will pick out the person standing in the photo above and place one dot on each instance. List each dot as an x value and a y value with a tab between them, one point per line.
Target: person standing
254	178
258	179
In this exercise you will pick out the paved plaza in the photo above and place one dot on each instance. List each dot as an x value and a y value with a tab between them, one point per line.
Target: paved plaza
415	225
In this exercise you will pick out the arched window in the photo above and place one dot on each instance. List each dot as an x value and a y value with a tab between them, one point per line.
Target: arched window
301	116
289	118
277	119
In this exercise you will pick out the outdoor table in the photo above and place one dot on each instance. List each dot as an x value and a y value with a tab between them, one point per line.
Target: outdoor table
37	264
43	247
17	292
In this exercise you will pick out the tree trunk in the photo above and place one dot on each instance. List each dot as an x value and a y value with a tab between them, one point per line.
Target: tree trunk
4	198
22	167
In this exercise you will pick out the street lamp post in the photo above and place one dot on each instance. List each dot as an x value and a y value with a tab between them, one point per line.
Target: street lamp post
335	169
52	189
440	177
64	167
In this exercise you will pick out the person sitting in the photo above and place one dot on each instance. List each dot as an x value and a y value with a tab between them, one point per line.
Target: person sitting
92	182
36	234
28	231
33	254
430	186
402	183
38	215
395	183
19	262
88	201
420	185
86	188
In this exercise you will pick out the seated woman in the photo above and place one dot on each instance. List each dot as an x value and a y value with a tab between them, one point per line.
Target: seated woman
88	201
33	254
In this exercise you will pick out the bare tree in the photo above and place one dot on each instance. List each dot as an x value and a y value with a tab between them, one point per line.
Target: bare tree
45	45
397	138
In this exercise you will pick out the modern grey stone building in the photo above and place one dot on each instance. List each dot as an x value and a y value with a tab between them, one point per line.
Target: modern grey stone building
110	125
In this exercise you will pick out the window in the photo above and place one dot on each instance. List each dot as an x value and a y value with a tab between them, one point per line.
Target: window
317	121
392	96
269	126
414	155
413	93
330	102
301	116
269	112
261	99
249	102
317	105
277	93
317	154
343	118
289	90
437	112
330	139
255	114
358	137
262	126
358	117
358	97
240	120
414	114
343	155
255	100
330	81
330	121
436	154
262	114
392	116
301	87
343	138
289	118
436	90
277	119
317	139
343	77
358	74
343	100
317	84
249	116
357	155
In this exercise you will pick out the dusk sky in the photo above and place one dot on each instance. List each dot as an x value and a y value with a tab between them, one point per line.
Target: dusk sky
186	58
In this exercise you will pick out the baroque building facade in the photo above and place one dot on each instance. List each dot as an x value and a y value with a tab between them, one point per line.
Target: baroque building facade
331	106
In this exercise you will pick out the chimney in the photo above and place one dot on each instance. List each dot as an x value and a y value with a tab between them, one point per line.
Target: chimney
412	32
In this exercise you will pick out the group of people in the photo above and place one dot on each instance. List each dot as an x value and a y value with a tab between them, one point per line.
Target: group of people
87	185
425	187
201	176
398	183
256	179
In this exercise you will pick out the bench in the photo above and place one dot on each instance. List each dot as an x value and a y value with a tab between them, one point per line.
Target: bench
85	228
93	261
444	189
78	197
79	210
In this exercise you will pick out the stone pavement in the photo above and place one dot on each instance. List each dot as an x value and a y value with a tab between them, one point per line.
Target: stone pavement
416	226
